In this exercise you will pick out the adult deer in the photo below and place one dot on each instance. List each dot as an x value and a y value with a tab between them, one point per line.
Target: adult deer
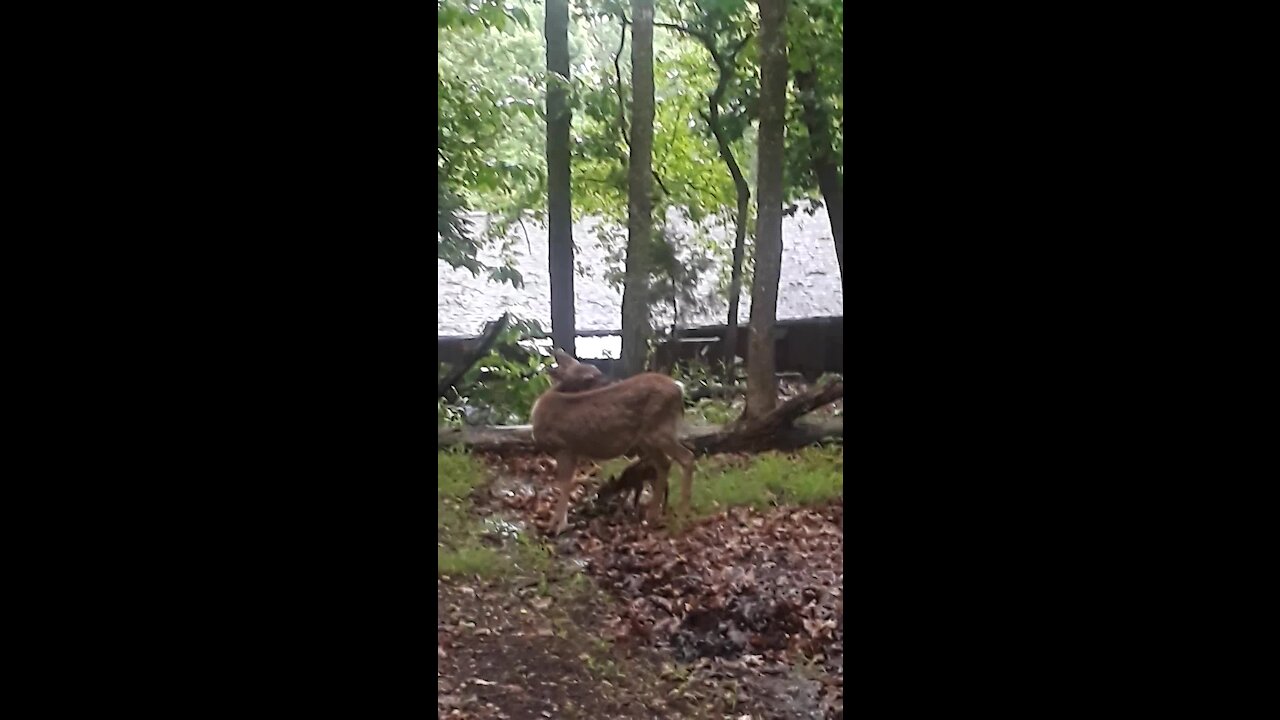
640	415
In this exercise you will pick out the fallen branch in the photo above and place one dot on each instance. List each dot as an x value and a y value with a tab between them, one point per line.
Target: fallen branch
764	432
473	357
796	435
799	405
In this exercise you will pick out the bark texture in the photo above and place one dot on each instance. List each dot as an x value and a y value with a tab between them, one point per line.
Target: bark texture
559	189
762	390
635	294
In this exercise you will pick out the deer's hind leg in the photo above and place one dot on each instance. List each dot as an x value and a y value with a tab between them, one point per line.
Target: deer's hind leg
661	465
675	450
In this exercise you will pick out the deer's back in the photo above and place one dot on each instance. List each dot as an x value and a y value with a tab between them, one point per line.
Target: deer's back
608	421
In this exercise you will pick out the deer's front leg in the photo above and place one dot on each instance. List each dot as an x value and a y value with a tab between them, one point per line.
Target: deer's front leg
565	465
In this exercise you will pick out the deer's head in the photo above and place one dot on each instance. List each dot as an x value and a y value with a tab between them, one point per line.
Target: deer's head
569	375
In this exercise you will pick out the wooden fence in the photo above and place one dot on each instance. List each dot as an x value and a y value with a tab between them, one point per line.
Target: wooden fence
809	347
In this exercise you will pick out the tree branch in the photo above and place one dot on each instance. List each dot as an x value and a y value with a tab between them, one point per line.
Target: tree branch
661	184
473	357
622	108
707	41
617	68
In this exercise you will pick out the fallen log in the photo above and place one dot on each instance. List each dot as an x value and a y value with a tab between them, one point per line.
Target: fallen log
702	439
796	435
766	432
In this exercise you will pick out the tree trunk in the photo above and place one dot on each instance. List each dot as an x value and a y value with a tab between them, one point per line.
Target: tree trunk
559	197
820	154
762	386
635	294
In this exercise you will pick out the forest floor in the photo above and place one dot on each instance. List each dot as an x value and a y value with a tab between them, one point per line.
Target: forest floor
731	612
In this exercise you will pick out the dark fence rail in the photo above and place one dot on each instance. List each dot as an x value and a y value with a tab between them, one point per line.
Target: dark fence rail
809	347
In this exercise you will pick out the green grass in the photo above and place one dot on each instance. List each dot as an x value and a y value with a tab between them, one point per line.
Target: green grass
469	560
457	474
460	549
810	476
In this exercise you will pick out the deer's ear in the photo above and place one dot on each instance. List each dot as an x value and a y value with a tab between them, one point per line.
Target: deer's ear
563	358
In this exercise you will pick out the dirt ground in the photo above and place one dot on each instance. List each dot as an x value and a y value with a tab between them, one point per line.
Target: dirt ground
730	616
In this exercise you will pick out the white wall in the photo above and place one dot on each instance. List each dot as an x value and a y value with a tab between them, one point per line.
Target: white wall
810	284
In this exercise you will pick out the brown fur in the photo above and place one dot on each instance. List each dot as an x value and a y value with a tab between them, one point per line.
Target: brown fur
580	377
576	377
640	415
633	480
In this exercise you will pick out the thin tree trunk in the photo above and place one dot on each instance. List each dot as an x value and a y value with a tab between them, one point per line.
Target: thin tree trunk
635	294
735	285
724	67
820	154
762	385
740	220
559	192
